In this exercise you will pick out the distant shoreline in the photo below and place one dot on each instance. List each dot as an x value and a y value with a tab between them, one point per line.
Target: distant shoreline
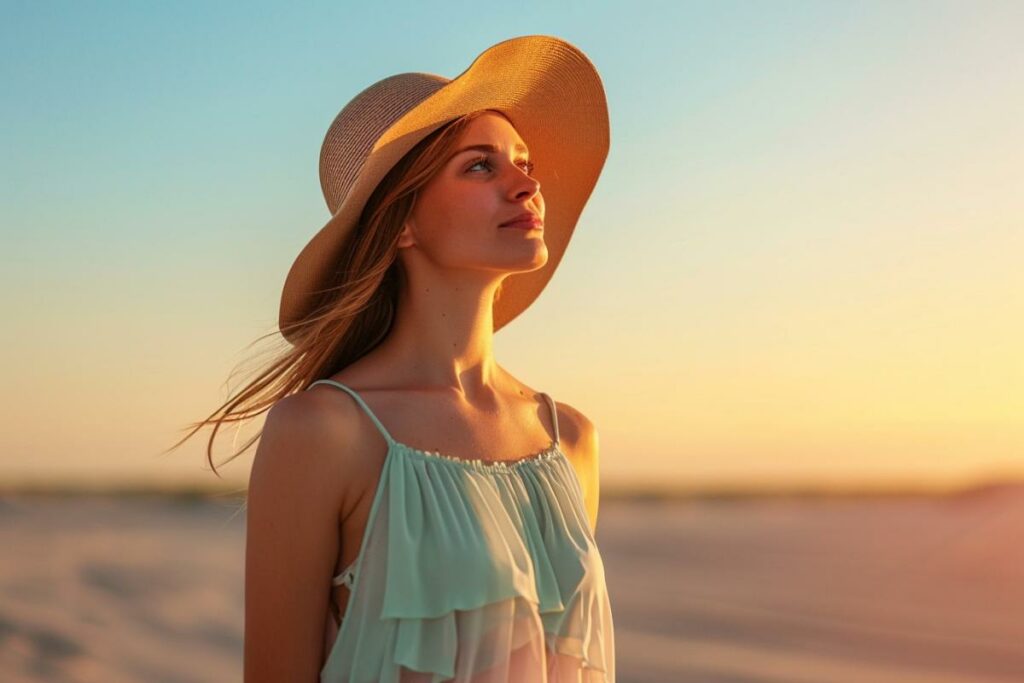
609	492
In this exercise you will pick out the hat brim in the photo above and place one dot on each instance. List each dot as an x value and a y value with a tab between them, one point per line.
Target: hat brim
554	97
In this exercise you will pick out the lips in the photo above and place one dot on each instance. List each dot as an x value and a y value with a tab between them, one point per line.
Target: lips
524	221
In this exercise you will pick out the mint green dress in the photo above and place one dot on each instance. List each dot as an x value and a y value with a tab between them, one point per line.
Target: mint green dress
474	571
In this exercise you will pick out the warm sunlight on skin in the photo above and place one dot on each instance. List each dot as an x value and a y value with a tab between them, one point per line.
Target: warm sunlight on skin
456	254
455	223
434	385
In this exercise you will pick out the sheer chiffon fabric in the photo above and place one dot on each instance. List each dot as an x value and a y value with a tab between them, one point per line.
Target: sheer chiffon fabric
475	571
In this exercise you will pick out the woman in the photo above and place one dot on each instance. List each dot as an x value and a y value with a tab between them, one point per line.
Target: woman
418	513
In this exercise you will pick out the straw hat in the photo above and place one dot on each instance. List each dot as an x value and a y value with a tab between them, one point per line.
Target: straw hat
547	88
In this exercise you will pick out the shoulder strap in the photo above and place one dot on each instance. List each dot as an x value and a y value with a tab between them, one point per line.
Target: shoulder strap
362	404
554	414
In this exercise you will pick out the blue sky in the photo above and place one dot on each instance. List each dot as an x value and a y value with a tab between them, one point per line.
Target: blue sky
805	230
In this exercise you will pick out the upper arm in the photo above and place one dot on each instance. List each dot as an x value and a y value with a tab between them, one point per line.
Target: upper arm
291	546
583	435
589	448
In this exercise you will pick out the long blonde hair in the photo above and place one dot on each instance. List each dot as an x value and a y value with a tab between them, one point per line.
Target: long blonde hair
354	312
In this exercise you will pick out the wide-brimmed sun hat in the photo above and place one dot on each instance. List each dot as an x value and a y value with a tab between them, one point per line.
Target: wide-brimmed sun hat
550	92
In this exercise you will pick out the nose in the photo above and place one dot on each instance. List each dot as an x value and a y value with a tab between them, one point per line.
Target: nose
524	186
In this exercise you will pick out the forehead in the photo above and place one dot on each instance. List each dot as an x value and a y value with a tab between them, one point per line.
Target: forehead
493	128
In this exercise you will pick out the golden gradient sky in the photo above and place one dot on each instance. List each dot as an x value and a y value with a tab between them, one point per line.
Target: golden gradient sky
803	261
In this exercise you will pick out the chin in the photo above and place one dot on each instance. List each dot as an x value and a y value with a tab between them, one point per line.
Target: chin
532	264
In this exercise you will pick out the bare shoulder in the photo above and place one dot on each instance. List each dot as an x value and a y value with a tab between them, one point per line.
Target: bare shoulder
574	427
294	437
578	436
321	431
316	425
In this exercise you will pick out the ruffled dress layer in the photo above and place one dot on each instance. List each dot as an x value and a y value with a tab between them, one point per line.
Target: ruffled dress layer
475	571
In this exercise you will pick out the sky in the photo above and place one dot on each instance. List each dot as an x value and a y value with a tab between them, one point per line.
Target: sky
801	262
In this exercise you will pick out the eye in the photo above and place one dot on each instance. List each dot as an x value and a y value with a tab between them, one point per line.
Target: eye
525	164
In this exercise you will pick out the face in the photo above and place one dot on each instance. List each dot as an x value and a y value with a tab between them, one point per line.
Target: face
456	220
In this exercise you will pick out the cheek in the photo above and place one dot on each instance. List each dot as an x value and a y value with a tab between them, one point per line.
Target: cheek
457	211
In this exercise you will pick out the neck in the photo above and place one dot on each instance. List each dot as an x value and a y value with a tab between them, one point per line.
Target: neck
443	333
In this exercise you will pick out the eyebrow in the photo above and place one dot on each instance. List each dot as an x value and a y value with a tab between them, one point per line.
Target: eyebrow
487	148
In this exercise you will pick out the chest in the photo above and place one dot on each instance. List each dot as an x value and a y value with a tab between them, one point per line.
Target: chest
353	525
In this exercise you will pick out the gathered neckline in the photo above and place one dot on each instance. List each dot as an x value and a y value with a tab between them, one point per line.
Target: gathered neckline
551	452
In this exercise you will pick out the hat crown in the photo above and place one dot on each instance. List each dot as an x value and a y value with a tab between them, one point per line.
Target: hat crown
361	123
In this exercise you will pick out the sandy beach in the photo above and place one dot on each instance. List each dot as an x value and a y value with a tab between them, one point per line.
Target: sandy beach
887	590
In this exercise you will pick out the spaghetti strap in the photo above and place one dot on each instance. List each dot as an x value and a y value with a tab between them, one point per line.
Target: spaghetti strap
362	404
554	414
517	541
